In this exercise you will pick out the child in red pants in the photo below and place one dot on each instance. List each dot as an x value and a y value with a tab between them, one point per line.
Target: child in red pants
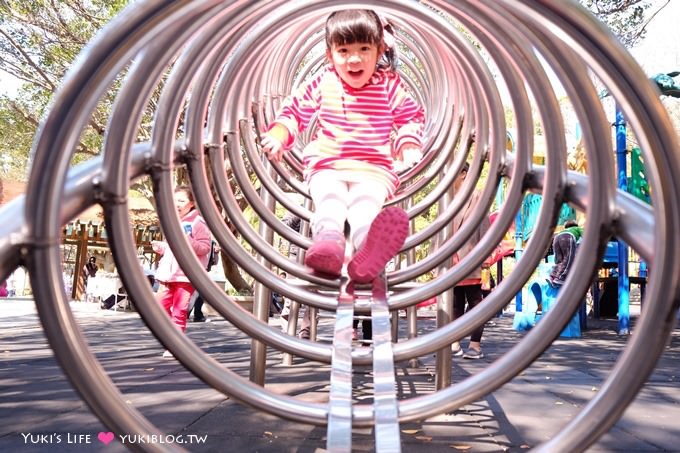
175	289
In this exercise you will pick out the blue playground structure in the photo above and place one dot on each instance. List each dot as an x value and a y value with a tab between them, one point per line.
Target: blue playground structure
616	257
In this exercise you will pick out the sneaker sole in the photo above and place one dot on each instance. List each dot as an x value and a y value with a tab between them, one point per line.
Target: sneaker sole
385	238
325	263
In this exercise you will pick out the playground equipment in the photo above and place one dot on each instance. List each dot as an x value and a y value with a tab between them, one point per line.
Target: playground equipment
667	85
235	78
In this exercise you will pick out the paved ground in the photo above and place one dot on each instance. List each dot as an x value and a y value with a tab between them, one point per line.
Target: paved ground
40	412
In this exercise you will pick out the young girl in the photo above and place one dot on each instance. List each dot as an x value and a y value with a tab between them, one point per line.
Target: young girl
349	163
175	289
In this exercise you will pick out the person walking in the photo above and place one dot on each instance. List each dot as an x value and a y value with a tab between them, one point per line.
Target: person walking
197	307
175	289
564	247
90	270
469	290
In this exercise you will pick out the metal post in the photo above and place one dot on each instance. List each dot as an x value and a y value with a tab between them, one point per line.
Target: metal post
262	299
291	326
313	322
642	273
444	309
443	356
518	254
412	311
623	281
78	288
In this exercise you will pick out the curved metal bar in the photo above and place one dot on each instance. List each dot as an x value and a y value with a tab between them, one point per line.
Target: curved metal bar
78	196
511	32
174	233
540	337
631	88
76	99
206	368
536	248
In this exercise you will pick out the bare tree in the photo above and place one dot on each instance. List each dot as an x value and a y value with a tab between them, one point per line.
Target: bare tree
627	19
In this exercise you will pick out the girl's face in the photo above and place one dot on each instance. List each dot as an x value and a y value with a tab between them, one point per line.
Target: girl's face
183	204
355	63
458	182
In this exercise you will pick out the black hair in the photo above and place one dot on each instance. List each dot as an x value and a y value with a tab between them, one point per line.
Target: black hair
466	167
351	26
570	223
389	59
186	190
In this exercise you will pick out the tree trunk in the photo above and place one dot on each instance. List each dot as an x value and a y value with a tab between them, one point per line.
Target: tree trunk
233	275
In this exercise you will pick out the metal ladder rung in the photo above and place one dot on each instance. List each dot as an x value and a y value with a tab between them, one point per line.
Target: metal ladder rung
339	430
386	409
385	404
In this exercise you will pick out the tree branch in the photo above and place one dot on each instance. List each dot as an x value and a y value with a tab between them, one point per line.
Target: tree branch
644	26
28	59
27	116
81	148
97	22
21	75
64	25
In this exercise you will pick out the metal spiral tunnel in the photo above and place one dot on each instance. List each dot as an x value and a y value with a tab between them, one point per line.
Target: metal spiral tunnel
222	68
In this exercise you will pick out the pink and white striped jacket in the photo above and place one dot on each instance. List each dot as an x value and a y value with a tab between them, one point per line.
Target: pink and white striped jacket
359	129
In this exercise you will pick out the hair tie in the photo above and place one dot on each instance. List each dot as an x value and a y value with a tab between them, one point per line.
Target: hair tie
388	33
388	38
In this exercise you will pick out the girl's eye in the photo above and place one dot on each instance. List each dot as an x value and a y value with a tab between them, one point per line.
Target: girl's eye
365	48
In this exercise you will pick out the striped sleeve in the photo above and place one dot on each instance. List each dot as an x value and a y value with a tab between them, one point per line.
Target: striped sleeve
299	108
409	116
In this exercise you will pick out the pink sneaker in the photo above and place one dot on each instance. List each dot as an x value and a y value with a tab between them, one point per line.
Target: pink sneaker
384	239
327	253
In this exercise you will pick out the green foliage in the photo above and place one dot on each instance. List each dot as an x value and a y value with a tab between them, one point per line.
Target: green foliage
16	135
39	40
421	222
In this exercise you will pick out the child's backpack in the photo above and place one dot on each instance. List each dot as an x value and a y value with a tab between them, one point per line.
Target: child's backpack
214	257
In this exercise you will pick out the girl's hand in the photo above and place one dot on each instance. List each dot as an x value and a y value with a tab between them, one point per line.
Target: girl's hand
158	247
410	154
272	147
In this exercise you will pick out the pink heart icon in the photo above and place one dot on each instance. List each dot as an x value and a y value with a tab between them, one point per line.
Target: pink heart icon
105	438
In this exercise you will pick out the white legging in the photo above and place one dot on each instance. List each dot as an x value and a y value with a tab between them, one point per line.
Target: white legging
336	200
